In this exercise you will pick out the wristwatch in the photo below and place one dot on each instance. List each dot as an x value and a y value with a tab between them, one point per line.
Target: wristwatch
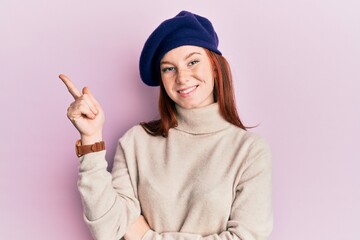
81	150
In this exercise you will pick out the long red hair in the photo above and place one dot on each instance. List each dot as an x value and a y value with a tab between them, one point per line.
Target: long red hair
223	94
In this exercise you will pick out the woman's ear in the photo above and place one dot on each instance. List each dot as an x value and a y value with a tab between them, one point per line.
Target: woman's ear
215	72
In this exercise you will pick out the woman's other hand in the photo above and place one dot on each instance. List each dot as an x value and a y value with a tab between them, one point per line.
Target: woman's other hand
85	113
137	230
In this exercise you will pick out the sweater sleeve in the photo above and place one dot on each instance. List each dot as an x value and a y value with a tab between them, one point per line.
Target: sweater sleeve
109	202
251	212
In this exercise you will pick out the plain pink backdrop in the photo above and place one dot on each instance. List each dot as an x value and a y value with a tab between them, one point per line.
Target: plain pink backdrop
296	69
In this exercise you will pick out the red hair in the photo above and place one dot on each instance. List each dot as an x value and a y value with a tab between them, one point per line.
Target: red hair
223	94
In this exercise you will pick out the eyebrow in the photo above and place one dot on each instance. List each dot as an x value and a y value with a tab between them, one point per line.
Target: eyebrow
186	57
189	55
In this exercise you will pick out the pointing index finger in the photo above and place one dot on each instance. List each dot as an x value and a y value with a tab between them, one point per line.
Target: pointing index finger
70	86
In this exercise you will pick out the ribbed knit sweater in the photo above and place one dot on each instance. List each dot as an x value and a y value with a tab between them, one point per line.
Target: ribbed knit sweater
207	180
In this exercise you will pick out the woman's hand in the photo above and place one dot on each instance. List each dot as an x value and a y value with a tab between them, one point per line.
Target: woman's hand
137	230
85	113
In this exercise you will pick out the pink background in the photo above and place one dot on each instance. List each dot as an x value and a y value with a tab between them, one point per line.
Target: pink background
296	66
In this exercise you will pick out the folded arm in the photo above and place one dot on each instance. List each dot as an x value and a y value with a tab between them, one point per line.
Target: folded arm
109	202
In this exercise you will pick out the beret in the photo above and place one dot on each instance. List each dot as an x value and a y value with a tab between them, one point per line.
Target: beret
185	28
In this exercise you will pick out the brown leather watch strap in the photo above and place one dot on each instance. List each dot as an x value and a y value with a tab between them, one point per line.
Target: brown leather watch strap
81	150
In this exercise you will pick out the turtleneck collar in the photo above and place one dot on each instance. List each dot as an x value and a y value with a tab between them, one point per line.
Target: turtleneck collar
200	120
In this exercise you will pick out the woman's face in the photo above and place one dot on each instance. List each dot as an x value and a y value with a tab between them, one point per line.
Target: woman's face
187	76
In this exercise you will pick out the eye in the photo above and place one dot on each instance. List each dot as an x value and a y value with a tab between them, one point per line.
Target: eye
193	62
167	69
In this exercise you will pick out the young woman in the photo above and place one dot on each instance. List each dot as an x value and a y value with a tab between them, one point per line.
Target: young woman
196	172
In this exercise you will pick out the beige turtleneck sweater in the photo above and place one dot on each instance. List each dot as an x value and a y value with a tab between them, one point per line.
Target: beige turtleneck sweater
208	179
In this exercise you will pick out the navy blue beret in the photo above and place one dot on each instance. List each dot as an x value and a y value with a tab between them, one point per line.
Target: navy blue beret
185	28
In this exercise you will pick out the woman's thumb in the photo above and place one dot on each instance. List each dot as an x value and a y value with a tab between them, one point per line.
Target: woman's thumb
86	90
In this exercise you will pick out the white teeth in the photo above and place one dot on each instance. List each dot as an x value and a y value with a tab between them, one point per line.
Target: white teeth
187	90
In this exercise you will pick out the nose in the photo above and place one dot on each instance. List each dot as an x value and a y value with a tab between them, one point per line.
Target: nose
183	76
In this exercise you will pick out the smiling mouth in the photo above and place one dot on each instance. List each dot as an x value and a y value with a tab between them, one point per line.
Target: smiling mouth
186	91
